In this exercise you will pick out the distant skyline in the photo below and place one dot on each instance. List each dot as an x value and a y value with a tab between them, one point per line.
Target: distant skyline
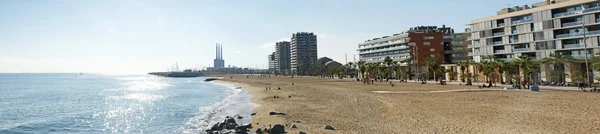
139	36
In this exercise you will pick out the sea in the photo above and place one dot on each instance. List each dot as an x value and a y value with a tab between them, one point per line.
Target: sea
110	103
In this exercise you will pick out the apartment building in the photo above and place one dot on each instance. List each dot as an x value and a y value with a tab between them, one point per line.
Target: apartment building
303	52
416	44
551	26
272	62
282	56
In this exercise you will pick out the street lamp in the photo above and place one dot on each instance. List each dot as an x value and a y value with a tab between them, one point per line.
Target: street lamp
585	49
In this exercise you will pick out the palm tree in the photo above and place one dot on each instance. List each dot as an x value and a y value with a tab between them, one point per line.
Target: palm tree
487	67
397	69
499	65
452	74
526	66
408	72
388	62
362	68
432	63
595	62
510	69
463	65
559	60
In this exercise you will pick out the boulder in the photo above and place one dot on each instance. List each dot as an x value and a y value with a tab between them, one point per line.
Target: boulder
253	114
231	126
329	127
222	125
240	117
276	113
302	132
294	126
259	131
215	127
229	120
278	129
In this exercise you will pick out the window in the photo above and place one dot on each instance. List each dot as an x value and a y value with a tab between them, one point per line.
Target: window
433	49
426	43
428	37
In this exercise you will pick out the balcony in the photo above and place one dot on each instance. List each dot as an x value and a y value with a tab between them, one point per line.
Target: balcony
506	59
521	21
455	51
384	49
470	53
501	24
568	35
382	44
521	49
591	9
499	51
496	42
597	20
565	13
581	56
498	34
469	38
458	45
572	23
579	45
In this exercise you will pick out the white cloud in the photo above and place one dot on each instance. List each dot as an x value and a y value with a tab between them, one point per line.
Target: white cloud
272	44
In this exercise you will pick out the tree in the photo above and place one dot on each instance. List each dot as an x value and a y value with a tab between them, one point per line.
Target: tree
499	65
362	68
559	60
452	74
487	67
462	65
525	66
432	63
510	69
388	62
408	72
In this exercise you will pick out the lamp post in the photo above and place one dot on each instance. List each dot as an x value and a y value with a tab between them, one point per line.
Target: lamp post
585	49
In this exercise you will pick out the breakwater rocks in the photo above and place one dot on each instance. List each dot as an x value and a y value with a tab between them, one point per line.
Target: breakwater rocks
229	126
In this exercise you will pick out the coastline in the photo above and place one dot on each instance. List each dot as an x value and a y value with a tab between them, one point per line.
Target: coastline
354	107
262	118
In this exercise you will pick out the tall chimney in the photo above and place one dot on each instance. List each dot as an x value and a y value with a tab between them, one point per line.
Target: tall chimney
221	53
217	51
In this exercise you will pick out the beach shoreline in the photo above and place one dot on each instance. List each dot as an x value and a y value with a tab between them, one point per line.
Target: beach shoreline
261	119
354	107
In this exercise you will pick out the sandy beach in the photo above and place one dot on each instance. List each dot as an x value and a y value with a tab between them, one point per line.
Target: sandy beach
354	107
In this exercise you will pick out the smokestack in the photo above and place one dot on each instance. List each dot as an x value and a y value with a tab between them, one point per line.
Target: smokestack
217	51
221	52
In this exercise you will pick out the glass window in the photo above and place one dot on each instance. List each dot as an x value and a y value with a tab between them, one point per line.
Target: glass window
428	37
433	49
426	43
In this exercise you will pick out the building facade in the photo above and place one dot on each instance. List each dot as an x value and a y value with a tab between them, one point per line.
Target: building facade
303	52
272	62
416	44
282	56
551	26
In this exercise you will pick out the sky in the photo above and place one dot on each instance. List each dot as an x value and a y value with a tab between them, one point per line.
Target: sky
140	36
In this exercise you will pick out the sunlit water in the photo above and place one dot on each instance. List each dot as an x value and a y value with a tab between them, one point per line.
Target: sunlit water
94	103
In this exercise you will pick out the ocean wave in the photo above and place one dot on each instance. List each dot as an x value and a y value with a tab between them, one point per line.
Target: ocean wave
238	103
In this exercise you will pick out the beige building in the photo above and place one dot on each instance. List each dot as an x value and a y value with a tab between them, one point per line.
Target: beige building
551	26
